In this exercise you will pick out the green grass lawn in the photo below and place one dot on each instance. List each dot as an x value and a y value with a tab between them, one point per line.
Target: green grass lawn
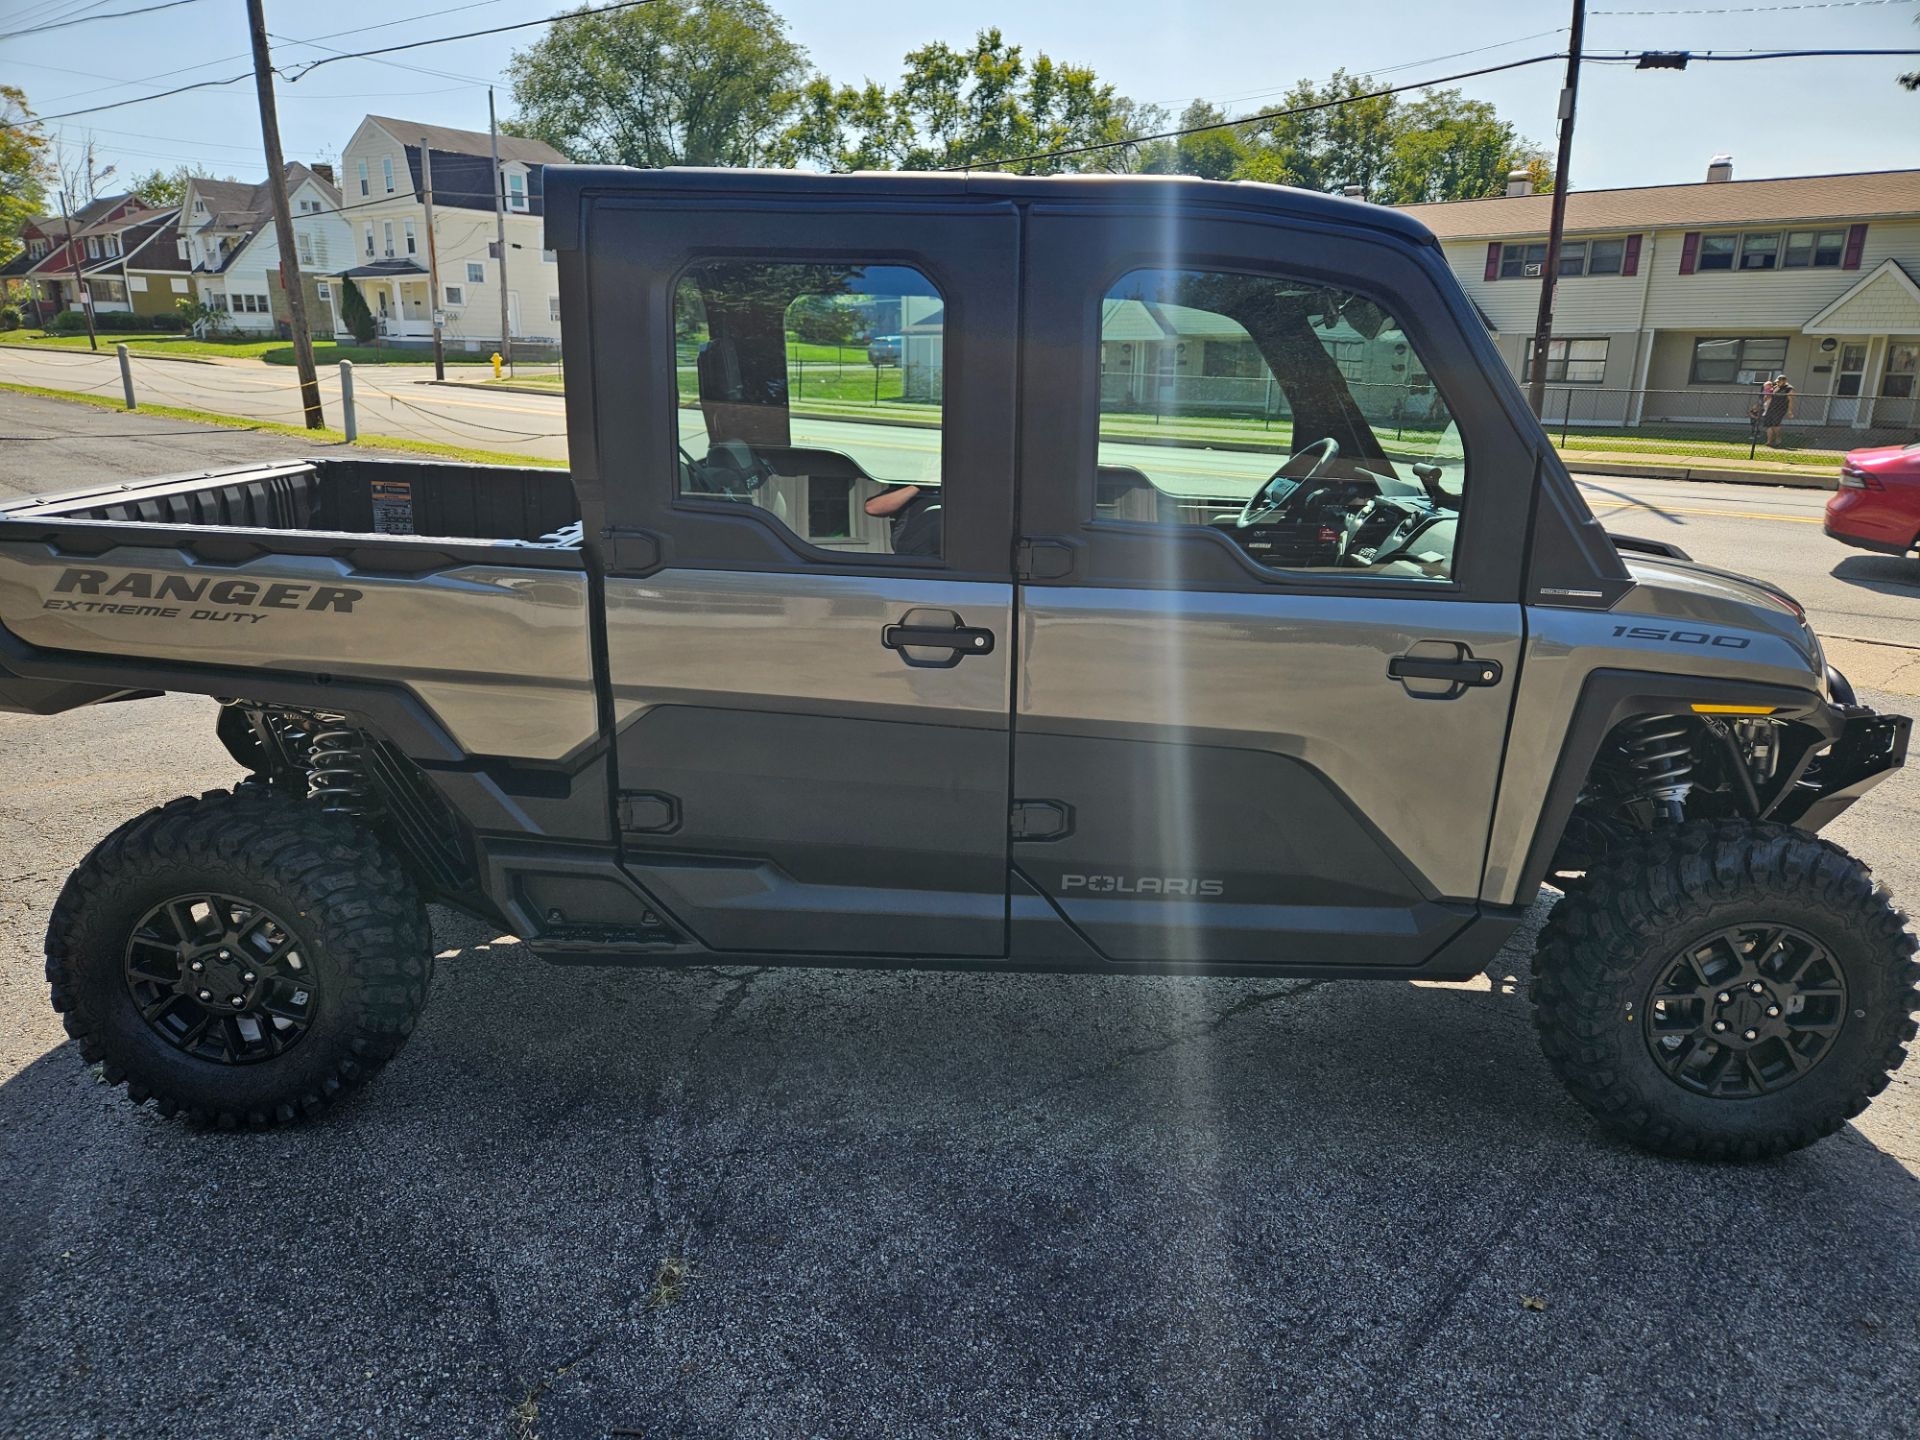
274	352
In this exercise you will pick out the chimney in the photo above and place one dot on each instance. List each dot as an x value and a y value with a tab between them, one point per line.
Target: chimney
1720	168
1355	192
1519	182
325	172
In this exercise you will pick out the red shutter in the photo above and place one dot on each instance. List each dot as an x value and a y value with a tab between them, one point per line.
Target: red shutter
1630	262
1493	260
1856	243
1689	252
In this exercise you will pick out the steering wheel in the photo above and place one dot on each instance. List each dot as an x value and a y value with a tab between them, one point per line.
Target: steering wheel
1263	505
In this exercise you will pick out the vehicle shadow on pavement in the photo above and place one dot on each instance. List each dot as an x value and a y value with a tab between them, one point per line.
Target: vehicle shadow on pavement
712	1202
1888	574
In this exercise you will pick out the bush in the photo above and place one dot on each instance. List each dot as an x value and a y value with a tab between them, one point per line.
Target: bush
169	324
9	317
353	310
67	322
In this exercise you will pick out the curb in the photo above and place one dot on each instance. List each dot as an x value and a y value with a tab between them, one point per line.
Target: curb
1797	479
106	352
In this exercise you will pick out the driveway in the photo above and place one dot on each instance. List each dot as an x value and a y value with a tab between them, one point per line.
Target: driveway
593	1203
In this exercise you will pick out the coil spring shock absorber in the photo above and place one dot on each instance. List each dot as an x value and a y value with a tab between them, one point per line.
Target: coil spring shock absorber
1660	750
337	777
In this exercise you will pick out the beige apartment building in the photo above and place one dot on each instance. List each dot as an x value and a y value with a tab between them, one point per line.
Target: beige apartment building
1675	302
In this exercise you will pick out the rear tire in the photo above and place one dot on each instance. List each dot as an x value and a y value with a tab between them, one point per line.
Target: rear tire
280	956
1726	990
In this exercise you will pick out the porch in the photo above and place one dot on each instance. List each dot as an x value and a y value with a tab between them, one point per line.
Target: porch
397	295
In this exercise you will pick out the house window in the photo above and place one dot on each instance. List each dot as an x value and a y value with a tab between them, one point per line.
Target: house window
493	249
411	247
217	301
200	206
386	172
1903	367
476	273
516	192
1760	250
179	286
1824	248
455	295
137	284
368	228
548	256
1736	360
1519	262
324	290
1716	252
362	167
113	245
303	242
93	247
36	249
1605	257
553	308
830	508
386	236
1573	362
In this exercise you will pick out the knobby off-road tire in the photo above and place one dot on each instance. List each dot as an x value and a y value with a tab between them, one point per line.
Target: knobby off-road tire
1671	914
350	929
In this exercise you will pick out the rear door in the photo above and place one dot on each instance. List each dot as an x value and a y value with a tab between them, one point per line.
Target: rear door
808	593
1276	741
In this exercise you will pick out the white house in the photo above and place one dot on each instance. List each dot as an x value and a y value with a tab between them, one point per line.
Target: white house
227	234
383	179
1673	302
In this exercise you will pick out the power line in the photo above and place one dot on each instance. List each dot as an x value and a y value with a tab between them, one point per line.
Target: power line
471	35
1726	57
87	19
142	99
1760	9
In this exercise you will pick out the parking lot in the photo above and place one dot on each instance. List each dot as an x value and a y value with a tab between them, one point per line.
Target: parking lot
720	1202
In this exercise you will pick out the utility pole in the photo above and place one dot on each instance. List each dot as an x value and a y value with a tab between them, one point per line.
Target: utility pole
500	230
1543	326
79	285
433	261
283	219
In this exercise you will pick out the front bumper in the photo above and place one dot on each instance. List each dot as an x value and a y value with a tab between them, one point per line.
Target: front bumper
1870	747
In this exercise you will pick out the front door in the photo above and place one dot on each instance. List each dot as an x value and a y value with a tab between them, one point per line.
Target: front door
808	596
1849	376
1270	631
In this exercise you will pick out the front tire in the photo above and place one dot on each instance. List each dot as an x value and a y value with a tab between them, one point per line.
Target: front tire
239	958
1725	990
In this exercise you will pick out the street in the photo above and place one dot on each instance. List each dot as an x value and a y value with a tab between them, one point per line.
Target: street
718	1201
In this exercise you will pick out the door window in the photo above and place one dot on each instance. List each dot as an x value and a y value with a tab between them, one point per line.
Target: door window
1295	419
812	393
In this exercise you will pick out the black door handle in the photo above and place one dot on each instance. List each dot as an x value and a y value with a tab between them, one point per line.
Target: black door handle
959	641
1466	671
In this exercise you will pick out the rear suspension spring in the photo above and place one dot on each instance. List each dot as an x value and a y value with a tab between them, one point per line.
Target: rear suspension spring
337	775
1660	751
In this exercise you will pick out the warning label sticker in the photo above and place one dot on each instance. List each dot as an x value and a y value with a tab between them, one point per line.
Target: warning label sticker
392	507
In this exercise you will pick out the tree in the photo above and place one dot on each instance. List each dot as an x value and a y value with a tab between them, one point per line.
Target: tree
1447	147
1212	155
354	312
165	189
678	82
24	169
958	107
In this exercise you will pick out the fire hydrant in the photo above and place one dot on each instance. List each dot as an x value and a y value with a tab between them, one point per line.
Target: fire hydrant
496	364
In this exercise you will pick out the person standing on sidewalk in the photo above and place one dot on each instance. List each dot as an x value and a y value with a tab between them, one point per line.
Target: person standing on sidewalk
1779	405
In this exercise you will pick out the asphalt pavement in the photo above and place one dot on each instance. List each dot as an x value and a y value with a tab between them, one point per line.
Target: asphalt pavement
724	1202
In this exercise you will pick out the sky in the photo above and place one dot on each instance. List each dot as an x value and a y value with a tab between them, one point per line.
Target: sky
1788	117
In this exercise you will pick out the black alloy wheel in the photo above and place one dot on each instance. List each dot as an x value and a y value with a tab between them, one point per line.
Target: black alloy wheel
222	978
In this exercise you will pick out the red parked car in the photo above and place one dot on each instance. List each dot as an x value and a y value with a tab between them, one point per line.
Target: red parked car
1877	506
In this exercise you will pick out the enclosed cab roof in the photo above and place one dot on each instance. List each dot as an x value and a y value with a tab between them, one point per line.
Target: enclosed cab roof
569	186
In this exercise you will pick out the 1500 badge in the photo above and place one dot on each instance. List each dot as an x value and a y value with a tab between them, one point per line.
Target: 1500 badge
144	592
1682	637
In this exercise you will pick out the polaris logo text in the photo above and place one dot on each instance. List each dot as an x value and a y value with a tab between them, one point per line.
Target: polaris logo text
1144	885
123	593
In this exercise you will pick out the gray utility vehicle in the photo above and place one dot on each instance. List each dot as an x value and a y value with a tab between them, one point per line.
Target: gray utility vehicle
1192	591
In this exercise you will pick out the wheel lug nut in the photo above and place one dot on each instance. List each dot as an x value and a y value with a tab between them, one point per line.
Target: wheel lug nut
1773	1010
204	994
224	955
248	977
1757	988
1723	997
241	1000
197	966
1751	1034
1719	1025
